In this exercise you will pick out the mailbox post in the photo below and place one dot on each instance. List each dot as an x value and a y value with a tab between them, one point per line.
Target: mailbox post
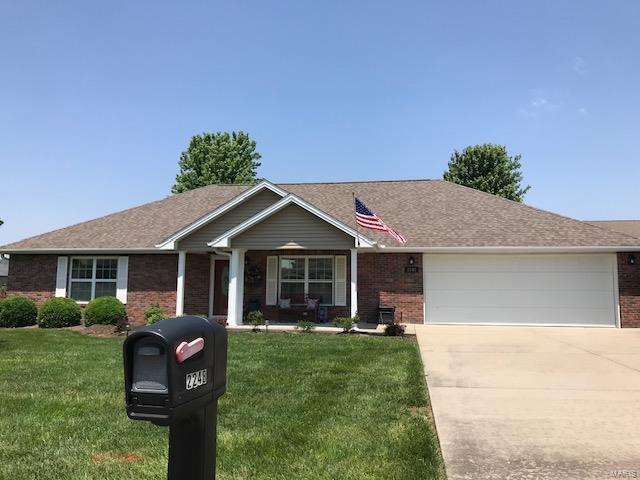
174	372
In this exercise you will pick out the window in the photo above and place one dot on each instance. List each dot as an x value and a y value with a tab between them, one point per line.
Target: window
307	276
91	278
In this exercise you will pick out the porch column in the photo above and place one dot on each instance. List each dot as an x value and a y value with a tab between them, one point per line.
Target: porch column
236	287
182	260
354	282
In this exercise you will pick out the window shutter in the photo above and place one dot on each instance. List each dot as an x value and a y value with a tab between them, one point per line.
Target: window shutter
341	281
61	277
272	280
123	276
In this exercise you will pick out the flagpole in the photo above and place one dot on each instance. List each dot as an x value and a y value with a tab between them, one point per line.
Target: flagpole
353	194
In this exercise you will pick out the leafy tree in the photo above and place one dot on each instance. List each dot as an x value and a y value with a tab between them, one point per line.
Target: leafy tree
1	222
489	168
220	157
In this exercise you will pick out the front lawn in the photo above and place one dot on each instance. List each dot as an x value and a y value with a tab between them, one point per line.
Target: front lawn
298	406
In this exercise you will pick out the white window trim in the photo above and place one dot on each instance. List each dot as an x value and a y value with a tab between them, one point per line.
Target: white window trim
306	279
93	280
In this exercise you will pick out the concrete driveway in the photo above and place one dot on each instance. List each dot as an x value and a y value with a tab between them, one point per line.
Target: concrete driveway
544	402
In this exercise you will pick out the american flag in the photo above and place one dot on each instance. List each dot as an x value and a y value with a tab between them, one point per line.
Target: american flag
367	219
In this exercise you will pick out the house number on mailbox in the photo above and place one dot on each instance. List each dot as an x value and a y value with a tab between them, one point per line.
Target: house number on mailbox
196	379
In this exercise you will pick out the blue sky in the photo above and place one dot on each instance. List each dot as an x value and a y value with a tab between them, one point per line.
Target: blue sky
98	99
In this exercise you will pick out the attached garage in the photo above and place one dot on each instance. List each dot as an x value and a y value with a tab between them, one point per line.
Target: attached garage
526	289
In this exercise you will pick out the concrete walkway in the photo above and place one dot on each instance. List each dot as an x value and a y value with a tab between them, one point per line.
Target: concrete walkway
370	328
521	402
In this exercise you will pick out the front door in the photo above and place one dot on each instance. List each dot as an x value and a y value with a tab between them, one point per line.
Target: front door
220	287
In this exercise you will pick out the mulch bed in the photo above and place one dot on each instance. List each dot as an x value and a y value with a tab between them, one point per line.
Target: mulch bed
98	330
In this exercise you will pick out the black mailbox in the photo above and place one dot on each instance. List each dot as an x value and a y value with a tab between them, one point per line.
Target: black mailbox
160	386
175	370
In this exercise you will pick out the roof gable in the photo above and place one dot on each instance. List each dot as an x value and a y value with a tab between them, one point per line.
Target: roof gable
225	239
246	195
293	227
198	239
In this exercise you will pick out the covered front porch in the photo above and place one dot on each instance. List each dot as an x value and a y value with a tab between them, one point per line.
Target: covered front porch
270	251
286	285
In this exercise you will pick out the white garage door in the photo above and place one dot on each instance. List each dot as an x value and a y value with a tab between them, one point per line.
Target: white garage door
520	289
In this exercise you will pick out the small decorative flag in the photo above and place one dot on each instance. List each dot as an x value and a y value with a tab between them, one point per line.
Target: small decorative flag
367	219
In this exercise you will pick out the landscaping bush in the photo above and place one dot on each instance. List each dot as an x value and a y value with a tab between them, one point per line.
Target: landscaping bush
345	323
256	318
59	312
17	311
154	314
105	311
306	326
394	330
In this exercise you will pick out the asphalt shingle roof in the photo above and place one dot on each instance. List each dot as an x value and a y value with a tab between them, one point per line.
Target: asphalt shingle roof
429	213
629	227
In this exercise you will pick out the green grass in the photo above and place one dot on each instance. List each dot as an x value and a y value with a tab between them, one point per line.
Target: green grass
298	406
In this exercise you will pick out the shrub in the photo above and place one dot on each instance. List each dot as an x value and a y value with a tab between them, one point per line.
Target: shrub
255	318
105	311
305	325
17	311
346	323
59	312
394	330
154	314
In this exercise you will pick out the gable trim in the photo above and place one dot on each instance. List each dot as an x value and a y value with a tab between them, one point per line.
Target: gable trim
223	240
170	243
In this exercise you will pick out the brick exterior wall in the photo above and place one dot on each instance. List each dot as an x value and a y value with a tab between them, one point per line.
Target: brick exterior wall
33	276
196	284
152	281
629	290
382	279
257	291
